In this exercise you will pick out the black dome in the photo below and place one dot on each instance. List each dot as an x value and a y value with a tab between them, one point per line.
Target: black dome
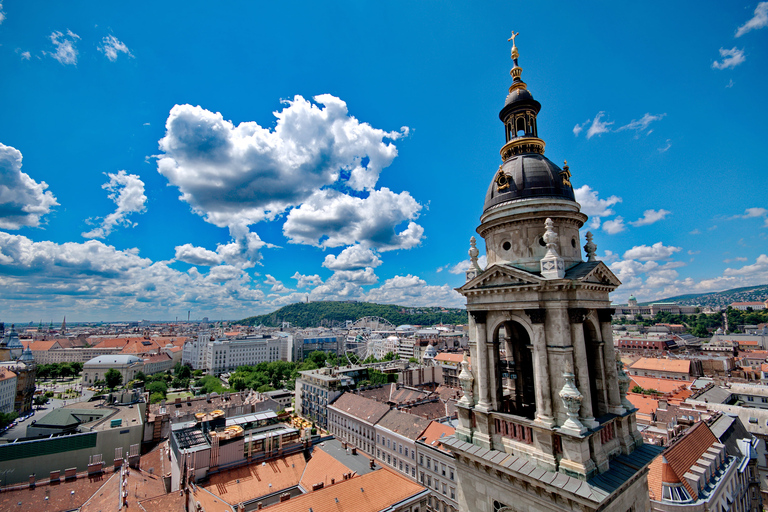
529	175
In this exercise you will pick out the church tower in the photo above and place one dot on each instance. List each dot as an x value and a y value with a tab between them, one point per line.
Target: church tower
544	423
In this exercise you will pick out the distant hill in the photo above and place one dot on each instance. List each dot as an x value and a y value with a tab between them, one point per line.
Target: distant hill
721	299
335	314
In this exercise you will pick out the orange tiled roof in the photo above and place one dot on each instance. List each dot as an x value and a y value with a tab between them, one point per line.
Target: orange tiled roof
5	373
450	358
434	433
321	468
255	479
663	386
372	492
41	345
112	343
680	457
662	365
644	404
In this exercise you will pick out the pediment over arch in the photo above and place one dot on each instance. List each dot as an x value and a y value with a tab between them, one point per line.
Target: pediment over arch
593	272
500	275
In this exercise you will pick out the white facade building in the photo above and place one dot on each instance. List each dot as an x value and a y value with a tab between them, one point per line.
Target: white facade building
7	390
222	355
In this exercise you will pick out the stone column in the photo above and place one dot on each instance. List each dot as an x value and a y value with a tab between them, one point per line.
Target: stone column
481	339
581	362
612	377
544	414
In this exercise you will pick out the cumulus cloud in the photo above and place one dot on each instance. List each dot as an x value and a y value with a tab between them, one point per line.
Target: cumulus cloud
277	286
95	280
353	257
240	175
127	192
410	290
641	124
25	55
65	50
593	206
759	20
462	266
751	213
111	47
330	218
23	201
304	281
241	252
758	270
729	58
650	216
614	226
657	251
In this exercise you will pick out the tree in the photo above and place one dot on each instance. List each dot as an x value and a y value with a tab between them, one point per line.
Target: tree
185	372
113	378
77	367
41	400
391	356
157	386
141	376
637	389
265	388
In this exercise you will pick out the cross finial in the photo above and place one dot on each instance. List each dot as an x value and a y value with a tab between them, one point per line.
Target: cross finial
514	35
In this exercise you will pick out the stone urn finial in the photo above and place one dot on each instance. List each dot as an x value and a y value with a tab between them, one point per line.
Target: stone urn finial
572	399
552	265
590	248
466	380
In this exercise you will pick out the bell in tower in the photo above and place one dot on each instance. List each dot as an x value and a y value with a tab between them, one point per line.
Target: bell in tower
544	425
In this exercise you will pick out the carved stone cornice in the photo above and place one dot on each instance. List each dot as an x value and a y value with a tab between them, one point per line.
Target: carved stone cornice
577	315
479	316
604	315
537	316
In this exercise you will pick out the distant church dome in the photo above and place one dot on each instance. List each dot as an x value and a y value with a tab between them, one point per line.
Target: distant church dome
430	352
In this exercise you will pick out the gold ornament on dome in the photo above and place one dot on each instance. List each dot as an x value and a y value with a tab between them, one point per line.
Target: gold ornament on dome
566	173
502	181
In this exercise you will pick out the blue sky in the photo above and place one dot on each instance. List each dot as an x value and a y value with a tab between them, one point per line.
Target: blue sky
227	160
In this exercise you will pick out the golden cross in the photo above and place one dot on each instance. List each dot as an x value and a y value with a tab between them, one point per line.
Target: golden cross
514	35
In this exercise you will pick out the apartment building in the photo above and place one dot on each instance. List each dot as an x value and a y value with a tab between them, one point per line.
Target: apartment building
437	468
396	435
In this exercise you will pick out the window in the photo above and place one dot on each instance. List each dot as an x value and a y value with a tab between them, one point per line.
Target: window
421	477
429	481
388	445
413	471
453	493
406	451
437	484
429	461
401	448
401	464
442	468
451	473
421	460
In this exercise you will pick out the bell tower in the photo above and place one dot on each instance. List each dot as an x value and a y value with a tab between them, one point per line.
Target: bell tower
544	424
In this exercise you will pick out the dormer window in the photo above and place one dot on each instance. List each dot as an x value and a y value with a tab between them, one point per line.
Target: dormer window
675	492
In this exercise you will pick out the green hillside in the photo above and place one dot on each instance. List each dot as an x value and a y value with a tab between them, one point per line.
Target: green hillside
722	299
335	314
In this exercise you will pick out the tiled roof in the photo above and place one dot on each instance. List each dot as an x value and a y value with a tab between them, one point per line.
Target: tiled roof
209	501
449	358
644	404
360	407
407	425
434	434
39	346
662	365
112	343
392	393
664	386
247	483
321	468
432	410
373	492
682	455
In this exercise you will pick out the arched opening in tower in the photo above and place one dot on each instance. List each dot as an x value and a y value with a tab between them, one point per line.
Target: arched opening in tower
596	369
515	388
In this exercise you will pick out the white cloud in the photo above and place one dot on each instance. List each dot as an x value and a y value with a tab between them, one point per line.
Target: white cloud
236	176
241	252
111	47
94	280
593	206
690	252
23	201
738	258
730	58
695	232
758	270
2	14
667	145
650	216
127	192
24	55
462	266
353	257
759	20
277	286
750	213
580	127
411	290
608	257
729	84
614	226
657	251
598	127
641	124
303	281
331	219
65	53
193	255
